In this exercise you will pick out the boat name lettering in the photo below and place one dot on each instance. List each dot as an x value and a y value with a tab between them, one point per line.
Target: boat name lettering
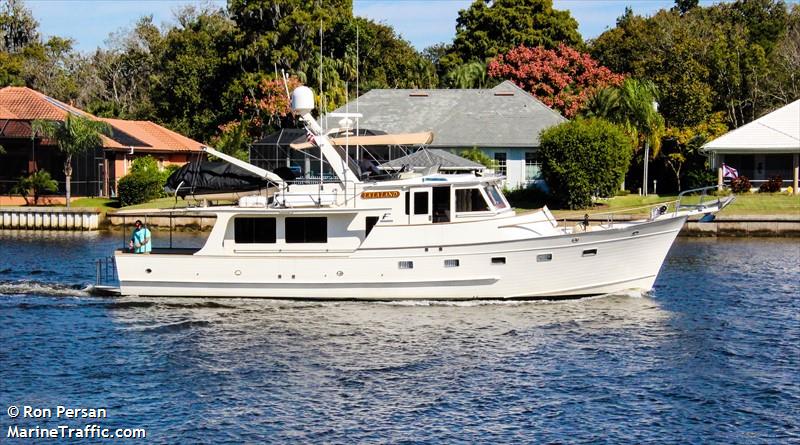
380	195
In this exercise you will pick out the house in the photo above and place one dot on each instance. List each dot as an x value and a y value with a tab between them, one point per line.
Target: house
504	122
94	173
769	146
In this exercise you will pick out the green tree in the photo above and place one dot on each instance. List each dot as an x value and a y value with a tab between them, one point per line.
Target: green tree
490	27
632	105
474	154
194	73
18	28
37	183
75	135
584	158
682	145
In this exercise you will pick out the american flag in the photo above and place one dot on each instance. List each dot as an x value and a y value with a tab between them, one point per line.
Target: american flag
729	172
310	137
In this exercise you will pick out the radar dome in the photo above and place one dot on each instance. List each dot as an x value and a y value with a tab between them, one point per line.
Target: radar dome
302	100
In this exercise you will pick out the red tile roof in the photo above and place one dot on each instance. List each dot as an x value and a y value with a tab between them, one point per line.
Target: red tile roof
154	136
25	104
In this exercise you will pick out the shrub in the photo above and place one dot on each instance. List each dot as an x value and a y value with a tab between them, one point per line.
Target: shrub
138	188
740	184
584	157
145	182
772	185
700	177
529	198
36	183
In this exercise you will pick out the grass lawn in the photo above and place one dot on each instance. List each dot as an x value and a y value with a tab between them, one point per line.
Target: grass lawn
112	205
745	204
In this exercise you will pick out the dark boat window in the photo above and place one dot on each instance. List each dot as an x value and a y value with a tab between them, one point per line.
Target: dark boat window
254	230
307	230
371	221
499	260
408	205
420	203
590	252
544	257
470	200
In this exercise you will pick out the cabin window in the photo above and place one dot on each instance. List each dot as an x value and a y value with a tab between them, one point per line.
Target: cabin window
254	230
590	252
495	197
420	203
405	264
307	230
541	258
470	200
371	221
499	260
408	203
452	263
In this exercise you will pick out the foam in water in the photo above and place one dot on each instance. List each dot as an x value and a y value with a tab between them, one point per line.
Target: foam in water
30	287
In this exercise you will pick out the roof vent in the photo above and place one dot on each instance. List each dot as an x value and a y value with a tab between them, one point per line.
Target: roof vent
504	93
418	94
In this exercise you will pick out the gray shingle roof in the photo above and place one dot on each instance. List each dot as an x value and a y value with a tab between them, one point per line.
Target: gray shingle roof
504	116
429	157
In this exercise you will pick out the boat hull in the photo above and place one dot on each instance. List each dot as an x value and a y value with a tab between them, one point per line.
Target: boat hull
626	257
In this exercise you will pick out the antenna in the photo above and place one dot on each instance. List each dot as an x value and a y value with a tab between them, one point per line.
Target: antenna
358	60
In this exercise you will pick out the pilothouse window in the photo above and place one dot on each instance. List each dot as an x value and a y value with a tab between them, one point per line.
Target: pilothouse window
307	230
254	230
470	200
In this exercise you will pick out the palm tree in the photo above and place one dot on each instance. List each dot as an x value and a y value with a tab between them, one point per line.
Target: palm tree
75	135
632	105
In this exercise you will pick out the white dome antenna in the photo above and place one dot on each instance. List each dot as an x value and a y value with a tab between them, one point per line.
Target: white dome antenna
302	100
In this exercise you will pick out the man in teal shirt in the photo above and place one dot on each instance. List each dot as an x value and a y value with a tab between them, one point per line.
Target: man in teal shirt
140	239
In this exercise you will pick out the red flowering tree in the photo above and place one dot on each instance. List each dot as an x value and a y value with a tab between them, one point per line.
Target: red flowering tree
563	78
270	104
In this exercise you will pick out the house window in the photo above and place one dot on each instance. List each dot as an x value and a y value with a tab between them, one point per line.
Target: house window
470	200
533	166
307	230
500	162
254	230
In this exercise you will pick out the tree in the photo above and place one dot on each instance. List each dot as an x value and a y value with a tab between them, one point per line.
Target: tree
632	105
685	5
491	27
190	87
75	135
36	183
563	78
584	158
474	154
683	145
18	28
468	75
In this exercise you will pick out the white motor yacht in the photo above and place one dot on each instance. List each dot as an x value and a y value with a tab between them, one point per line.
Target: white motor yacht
413	236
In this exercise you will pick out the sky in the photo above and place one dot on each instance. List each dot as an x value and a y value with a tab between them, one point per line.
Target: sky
421	22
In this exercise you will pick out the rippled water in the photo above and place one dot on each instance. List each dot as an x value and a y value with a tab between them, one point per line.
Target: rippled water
711	356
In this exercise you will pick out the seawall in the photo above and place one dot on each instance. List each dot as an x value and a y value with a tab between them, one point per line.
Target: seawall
49	218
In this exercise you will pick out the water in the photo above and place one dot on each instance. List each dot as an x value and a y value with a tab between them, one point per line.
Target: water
711	356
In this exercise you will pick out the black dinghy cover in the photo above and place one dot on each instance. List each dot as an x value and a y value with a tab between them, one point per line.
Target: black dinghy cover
208	177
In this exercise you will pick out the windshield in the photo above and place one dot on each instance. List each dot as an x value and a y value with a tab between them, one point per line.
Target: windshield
495	197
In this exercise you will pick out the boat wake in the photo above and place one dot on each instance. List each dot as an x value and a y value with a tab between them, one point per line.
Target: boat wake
41	288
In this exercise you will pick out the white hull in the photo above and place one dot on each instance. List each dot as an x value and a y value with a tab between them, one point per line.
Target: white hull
627	256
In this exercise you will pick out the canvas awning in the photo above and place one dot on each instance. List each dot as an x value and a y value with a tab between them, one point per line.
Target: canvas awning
423	138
